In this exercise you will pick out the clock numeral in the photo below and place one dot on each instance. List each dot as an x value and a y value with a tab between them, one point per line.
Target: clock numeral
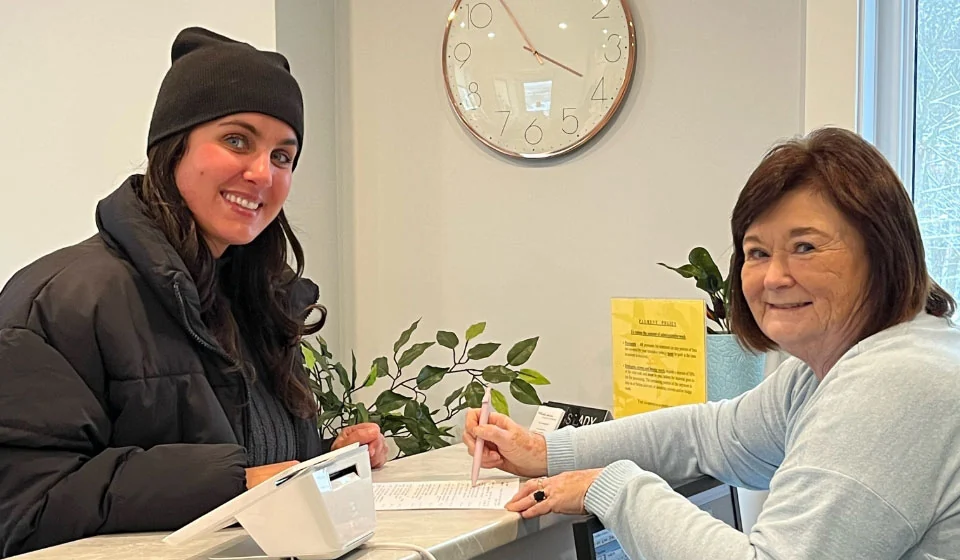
538	135
576	122
472	99
606	4
466	51
599	89
479	15
505	119
606	52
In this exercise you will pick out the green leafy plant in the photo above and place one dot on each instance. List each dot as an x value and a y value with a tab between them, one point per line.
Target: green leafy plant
709	279
401	409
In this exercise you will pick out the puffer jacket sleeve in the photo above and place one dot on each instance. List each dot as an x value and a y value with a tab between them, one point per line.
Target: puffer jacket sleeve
59	479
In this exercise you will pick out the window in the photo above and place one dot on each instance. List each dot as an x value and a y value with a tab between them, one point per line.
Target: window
910	109
936	152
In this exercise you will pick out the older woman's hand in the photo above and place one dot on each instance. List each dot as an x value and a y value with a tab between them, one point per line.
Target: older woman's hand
507	446
563	493
367	434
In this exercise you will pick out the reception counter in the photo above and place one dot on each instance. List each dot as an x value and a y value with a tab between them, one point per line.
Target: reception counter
448	534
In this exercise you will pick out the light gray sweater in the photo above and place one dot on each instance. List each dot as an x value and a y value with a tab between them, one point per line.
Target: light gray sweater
865	464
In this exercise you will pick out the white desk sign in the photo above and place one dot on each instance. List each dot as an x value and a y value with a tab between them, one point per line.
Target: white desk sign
319	509
547	419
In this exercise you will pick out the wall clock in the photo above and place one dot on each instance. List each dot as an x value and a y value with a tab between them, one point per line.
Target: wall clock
537	78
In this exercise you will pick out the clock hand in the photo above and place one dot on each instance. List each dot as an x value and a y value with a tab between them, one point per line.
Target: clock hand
564	66
529	46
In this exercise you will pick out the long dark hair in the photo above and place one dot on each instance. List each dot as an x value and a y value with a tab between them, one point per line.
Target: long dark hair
249	295
861	184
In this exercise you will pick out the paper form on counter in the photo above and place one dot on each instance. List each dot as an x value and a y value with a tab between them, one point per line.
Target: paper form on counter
450	494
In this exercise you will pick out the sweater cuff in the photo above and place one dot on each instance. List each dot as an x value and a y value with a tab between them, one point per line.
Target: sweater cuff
602	494
560	456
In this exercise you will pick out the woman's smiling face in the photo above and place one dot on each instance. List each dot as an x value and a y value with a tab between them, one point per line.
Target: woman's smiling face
804	274
235	176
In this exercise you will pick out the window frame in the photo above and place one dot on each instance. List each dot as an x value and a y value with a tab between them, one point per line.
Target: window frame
886	93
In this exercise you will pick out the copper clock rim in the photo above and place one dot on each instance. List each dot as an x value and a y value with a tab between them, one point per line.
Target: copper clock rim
614	107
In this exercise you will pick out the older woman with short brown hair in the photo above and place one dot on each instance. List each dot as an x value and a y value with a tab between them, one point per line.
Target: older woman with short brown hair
857	435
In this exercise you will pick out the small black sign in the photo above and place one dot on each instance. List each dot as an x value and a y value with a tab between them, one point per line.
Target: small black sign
577	415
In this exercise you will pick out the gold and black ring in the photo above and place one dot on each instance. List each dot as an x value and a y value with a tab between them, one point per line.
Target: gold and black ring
539	495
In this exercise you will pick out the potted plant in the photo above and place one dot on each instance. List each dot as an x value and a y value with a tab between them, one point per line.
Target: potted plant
401	408
731	368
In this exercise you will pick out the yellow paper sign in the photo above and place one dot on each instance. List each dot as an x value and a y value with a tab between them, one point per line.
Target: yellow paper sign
659	357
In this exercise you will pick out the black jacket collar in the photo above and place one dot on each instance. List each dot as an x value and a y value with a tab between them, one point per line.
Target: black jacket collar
125	227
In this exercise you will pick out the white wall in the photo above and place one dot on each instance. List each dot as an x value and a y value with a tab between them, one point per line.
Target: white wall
306	36
830	64
78	84
438	227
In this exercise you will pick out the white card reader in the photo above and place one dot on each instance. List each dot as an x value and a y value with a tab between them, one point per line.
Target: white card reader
320	509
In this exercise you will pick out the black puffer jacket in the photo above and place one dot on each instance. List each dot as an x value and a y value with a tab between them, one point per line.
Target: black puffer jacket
115	411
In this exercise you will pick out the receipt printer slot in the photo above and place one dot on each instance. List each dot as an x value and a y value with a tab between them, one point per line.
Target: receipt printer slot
352	469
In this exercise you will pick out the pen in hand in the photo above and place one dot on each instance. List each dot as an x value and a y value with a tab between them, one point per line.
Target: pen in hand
478	446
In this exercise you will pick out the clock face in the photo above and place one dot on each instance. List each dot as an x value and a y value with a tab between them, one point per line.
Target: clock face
537	78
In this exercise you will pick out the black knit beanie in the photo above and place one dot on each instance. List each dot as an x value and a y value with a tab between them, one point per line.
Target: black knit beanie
212	76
